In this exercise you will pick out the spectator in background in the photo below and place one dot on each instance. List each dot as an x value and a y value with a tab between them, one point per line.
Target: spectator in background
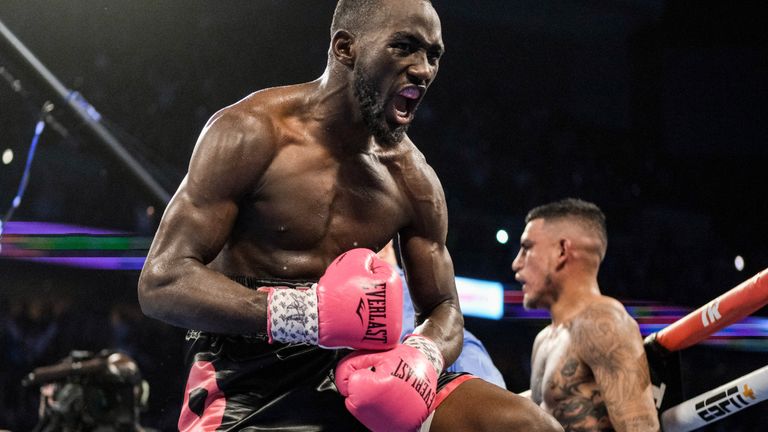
30	330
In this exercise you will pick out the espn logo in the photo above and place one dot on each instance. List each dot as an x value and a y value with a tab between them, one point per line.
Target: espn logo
717	406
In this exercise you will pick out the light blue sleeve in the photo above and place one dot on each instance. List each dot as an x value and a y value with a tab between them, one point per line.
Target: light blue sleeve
409	315
475	359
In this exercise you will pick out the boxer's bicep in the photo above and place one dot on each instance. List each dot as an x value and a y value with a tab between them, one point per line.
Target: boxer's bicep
426	260
609	342
225	165
192	229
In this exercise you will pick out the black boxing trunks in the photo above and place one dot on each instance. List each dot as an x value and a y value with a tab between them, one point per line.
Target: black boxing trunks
243	383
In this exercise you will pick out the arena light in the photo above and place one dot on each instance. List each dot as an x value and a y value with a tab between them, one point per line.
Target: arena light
95	263
738	262
7	156
502	236
73	246
480	298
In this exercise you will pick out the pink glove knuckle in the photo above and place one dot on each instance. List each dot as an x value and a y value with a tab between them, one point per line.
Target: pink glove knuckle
399	394
358	308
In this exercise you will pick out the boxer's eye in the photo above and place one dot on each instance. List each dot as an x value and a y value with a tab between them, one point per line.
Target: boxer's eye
404	47
434	56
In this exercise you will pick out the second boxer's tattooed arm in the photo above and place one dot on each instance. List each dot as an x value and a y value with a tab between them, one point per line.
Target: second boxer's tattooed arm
609	342
582	408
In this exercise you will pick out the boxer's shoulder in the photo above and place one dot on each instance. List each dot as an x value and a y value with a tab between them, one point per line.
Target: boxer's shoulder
602	327
257	128
598	309
267	111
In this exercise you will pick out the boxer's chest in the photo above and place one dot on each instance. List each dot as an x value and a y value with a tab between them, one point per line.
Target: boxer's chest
548	363
565	384
323	203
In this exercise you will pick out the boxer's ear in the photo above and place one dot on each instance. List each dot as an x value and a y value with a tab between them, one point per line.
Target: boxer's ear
564	252
343	47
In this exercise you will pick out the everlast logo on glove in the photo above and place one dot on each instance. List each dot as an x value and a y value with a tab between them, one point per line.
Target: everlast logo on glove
375	301
422	386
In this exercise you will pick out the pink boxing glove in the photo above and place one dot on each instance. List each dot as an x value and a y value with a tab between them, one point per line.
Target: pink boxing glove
358	303
392	390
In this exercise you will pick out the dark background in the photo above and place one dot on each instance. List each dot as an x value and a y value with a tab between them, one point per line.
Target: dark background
655	110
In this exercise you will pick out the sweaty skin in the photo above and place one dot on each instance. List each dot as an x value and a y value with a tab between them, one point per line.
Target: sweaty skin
285	180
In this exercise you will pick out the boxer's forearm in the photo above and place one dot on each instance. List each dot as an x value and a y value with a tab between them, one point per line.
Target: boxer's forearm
192	296
444	326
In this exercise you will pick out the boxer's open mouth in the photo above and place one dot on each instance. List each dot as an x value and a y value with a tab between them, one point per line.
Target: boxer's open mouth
404	104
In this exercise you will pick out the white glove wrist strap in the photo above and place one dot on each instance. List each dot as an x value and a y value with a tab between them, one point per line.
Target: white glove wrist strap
293	315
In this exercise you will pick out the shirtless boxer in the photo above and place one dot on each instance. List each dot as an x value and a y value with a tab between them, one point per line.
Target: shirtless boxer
266	251
589	368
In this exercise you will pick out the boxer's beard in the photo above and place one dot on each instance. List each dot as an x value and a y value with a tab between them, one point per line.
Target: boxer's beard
372	108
